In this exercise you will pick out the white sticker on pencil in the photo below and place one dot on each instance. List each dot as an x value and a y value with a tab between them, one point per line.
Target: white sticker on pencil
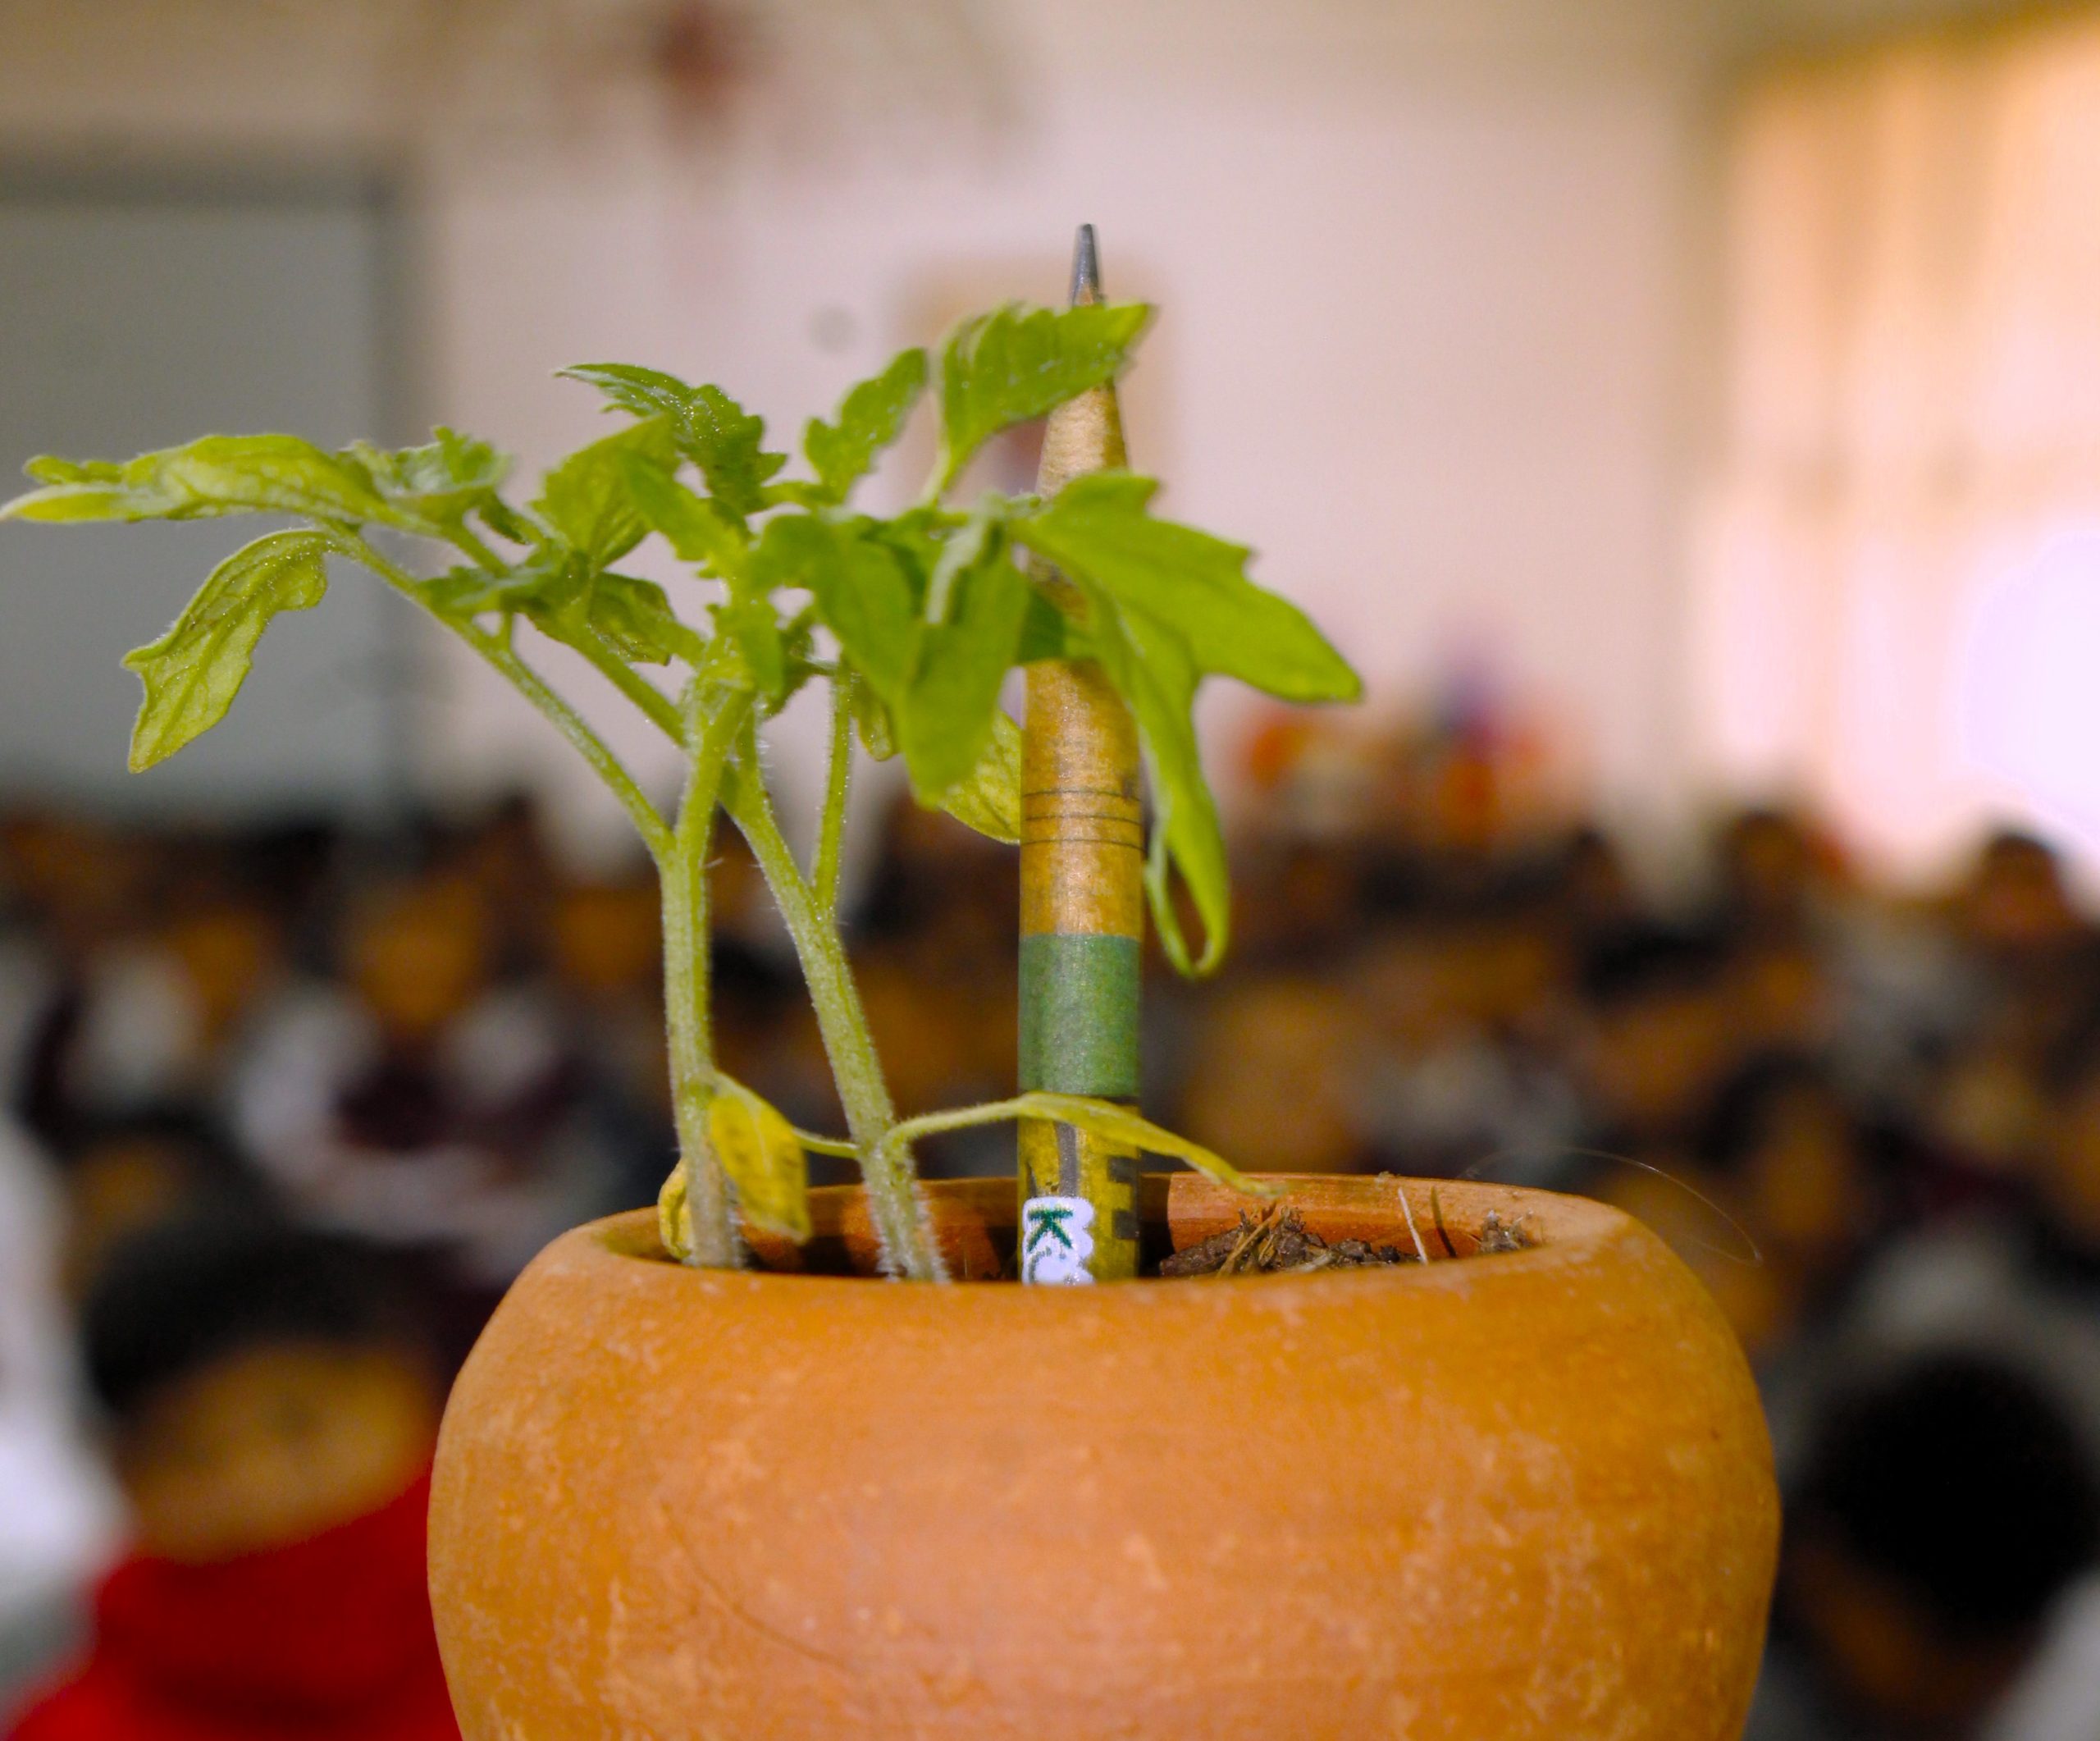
1056	1241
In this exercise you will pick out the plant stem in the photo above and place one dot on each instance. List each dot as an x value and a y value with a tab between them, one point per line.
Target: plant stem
838	769
683	869
658	707
495	650
902	1223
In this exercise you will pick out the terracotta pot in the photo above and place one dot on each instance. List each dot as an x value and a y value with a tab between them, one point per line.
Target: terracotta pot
1525	1497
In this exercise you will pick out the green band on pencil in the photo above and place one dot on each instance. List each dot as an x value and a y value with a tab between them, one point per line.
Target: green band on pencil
1078	1015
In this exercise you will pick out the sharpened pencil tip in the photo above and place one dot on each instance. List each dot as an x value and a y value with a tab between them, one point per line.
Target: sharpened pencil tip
1086	268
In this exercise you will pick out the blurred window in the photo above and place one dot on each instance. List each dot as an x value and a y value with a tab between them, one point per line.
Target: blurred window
1898	597
141	312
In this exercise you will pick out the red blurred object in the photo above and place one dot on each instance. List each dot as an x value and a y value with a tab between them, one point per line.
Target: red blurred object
328	1638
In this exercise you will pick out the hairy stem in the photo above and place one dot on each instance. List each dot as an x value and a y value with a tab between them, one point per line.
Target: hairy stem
659	708
838	770
902	1223
496	649
683	869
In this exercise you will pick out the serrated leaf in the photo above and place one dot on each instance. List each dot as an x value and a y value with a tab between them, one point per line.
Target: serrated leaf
864	589
758	1149
708	427
635	616
542	583
1127	1129
193	672
1015	363
944	718
1152	669
1098	528
588	499
50	469
442	482
697	529
989	800
870	418
212	476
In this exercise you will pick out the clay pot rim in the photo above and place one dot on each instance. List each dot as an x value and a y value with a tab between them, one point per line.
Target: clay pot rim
975	1218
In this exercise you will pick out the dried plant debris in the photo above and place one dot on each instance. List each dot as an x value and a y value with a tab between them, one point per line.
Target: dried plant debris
1279	1243
1498	1235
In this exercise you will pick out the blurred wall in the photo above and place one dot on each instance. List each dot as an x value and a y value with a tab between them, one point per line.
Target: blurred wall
1431	274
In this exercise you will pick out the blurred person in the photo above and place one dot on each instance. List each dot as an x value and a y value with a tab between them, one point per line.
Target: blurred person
1295	901
1772	875
1781	1150
1657	1036
2014	903
1589	880
604	952
60	1518
1273	1079
1464	1011
1945	1512
1780	995
272	1412
422	1101
81	890
164	1016
124	1173
2018	1274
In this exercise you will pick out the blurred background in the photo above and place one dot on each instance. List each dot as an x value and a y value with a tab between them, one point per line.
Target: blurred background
1687	416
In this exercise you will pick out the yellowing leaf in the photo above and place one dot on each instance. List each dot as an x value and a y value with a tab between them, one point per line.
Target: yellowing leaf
674	1215
989	800
758	1149
1119	1124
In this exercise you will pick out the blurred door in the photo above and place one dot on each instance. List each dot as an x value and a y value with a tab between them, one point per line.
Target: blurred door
137	316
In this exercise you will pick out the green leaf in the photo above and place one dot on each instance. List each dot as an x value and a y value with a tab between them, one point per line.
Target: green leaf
193	672
637	618
1098	528
587	499
50	469
1120	1125
864	590
1046	632
753	626
442	482
708	427
944	720
981	537
698	530
871	719
870	418
216	475
758	1149
543	581
1005	368
1152	669
989	800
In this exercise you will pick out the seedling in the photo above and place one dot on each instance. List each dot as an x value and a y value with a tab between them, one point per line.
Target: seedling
912	619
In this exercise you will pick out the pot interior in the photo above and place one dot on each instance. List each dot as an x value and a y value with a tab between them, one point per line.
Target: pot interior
977	1221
